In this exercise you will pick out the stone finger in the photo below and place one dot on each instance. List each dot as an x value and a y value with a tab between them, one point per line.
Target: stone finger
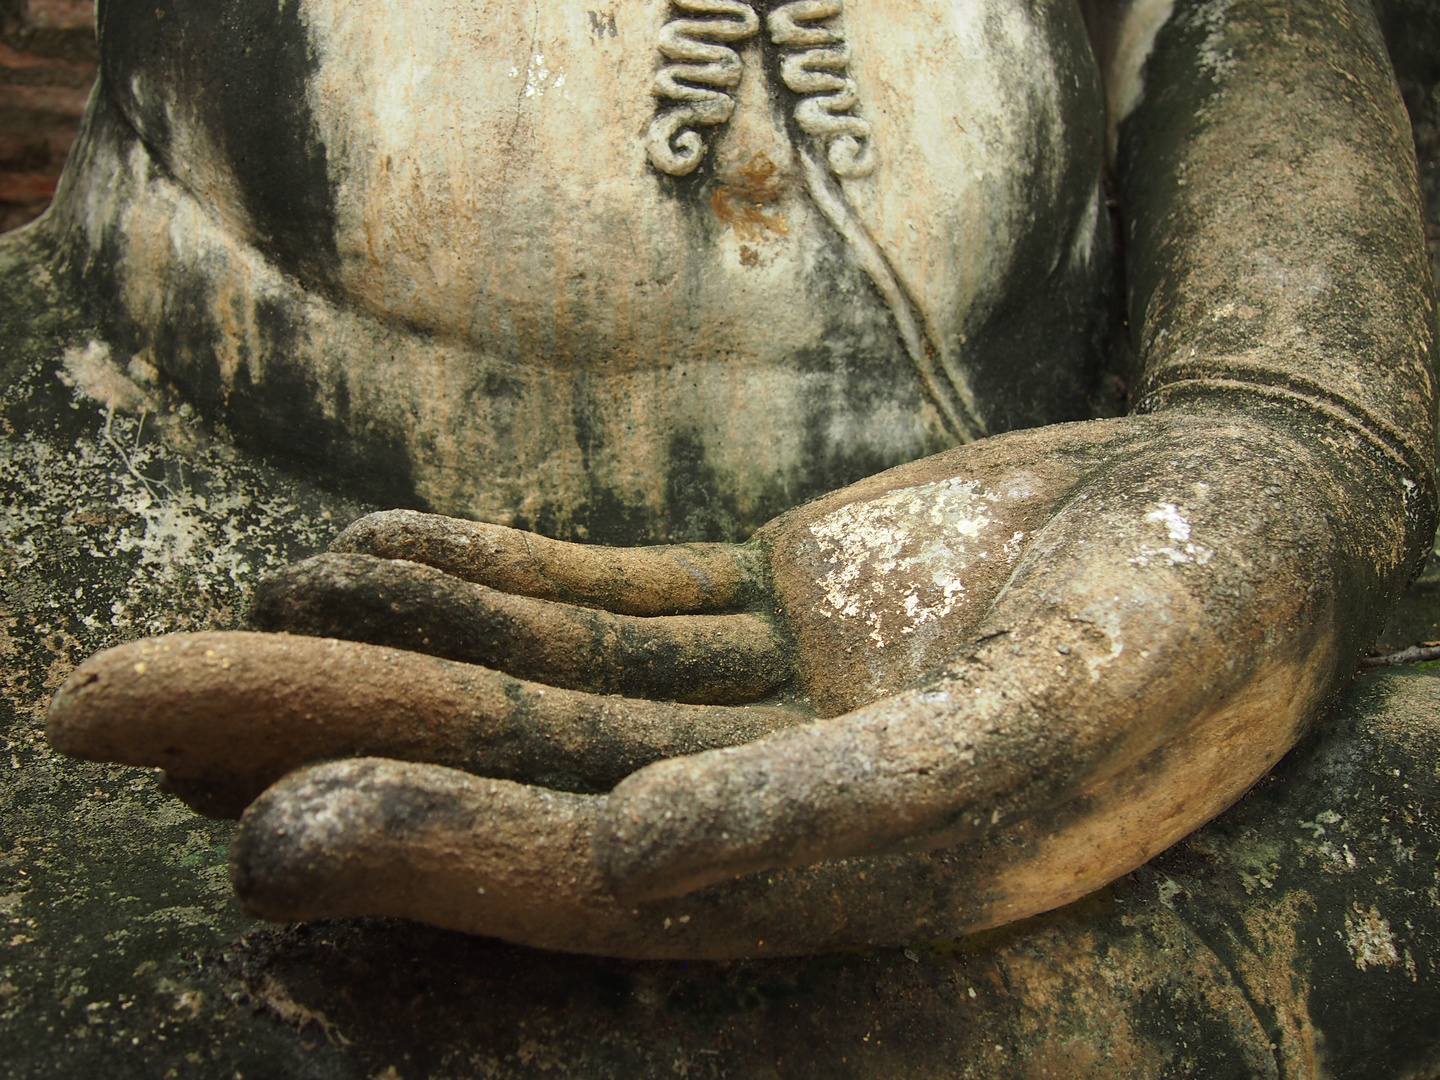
378	837
690	658
673	579
227	714
368	837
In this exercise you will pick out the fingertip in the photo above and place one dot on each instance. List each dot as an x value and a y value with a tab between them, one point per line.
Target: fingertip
648	844
368	836
80	720
278	604
291	855
64	716
319	596
269	602
374	836
375	534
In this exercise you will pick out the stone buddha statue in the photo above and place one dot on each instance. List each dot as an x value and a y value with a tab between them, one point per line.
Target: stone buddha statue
827	519
511	277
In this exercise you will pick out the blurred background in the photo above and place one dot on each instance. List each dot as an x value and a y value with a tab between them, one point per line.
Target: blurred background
47	63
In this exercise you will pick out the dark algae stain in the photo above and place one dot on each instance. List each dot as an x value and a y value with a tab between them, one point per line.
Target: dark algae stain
695	509
288	399
241	69
310	419
314	422
603	516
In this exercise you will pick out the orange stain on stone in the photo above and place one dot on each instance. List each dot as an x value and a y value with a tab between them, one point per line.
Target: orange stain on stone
739	205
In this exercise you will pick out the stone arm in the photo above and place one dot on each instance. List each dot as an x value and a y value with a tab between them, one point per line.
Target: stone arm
992	680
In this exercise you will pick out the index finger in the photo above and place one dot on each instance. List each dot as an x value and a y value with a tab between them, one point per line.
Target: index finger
668	579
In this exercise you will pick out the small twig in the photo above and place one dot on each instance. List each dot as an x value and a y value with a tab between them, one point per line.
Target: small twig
114	444
1413	655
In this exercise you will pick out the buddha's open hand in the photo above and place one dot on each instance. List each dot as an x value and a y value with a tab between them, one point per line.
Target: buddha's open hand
1052	653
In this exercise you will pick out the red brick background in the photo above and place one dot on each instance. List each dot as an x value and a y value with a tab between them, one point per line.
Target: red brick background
47	63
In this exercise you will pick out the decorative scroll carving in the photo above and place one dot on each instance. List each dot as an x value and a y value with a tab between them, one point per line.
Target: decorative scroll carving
705	68
819	72
813	63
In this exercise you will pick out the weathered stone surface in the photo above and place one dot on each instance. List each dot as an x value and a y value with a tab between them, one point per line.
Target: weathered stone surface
510	313
1201	963
1304	918
996	776
242	708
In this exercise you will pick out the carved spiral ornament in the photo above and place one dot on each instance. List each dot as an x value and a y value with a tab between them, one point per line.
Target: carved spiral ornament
818	71
814	62
704	68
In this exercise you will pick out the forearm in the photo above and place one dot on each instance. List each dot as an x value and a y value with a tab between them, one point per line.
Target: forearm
1273	234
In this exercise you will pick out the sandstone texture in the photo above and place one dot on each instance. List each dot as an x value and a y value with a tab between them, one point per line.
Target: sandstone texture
1294	935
